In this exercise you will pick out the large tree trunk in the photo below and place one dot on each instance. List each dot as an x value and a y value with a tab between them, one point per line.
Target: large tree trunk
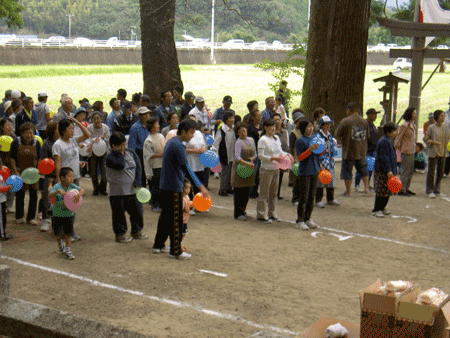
159	55
336	56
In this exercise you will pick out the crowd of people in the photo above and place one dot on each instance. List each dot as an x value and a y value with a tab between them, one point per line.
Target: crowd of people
160	147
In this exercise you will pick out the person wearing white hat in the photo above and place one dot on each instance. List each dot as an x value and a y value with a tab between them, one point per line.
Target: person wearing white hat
201	114
43	112
15	94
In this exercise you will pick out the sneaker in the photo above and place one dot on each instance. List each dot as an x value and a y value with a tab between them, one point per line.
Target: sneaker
334	202
183	255
61	246
68	254
431	195
10	211
310	223
411	193
45	225
359	189
264	220
441	195
301	226
216	176
192	212
274	219
20	220
386	212
166	249
295	202
320	205
32	222
378	214
242	218
76	238
403	193
280	198
122	239
40	216
140	235
223	194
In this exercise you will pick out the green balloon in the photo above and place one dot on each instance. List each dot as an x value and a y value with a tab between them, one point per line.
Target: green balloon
294	168
30	175
143	195
244	171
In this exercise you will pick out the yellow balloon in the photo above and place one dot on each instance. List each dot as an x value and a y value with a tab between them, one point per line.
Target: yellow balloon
51	112
5	142
41	141
448	146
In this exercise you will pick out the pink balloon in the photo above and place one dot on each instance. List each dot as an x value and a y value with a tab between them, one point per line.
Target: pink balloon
69	202
217	168
285	163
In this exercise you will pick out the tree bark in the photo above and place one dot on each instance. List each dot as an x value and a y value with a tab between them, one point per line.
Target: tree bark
336	56
159	55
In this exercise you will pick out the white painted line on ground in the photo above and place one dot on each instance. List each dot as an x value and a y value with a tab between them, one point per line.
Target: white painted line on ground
411	219
341	238
418	246
220	274
213	313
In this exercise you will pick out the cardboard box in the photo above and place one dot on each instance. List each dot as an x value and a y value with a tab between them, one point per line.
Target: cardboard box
317	330
422	321
378	312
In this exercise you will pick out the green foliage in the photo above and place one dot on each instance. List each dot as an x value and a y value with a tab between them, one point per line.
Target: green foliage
10	13
293	65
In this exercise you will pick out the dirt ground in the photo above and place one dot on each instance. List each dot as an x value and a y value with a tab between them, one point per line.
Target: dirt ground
278	278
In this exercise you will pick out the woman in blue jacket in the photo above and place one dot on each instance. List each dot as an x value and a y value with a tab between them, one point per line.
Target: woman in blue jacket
385	167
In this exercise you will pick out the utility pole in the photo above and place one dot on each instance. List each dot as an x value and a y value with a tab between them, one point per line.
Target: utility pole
70	24
213	59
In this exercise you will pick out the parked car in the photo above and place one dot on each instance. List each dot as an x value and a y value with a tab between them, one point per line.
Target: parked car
55	40
442	47
277	45
402	63
115	42
83	42
259	45
234	44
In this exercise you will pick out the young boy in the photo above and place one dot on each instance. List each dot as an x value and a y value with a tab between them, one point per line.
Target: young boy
64	218
123	172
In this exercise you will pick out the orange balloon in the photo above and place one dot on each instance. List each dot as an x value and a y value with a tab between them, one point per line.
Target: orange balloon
394	184
201	203
325	176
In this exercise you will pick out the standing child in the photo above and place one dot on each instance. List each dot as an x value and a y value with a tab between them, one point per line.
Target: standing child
3	190
385	166
420	163
187	205
308	172
63	218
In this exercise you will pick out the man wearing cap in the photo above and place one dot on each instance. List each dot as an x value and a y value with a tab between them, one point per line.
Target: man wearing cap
6	99
372	142
138	134
188	104
218	114
164	108
202	114
66	109
28	114
124	122
270	109
43	112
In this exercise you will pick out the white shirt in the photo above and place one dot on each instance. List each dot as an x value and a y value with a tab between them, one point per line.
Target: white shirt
68	152
268	147
201	116
230	141
196	142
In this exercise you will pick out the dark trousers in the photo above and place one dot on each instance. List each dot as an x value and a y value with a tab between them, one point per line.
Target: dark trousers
140	154
206	174
435	168
307	193
129	204
32	204
97	163
170	223
280	180
241	197
319	194
45	204
194	190
85	169
447	166
380	203
254	189
154	188
296	190
3	220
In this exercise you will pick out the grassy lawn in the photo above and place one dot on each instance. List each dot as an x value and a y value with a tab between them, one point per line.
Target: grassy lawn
242	82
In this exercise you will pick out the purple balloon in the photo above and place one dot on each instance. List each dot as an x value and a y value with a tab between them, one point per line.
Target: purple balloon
69	200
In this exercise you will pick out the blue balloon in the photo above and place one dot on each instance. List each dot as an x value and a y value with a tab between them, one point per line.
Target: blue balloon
37	132
209	159
16	183
370	162
321	142
209	140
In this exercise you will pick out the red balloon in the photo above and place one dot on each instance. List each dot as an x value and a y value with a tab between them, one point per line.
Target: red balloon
325	176
201	203
5	173
394	184
85	124
53	200
46	166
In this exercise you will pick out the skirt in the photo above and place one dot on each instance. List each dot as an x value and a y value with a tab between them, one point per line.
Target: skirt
381	188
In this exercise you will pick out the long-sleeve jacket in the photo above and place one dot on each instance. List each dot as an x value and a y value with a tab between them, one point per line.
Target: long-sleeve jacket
386	159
